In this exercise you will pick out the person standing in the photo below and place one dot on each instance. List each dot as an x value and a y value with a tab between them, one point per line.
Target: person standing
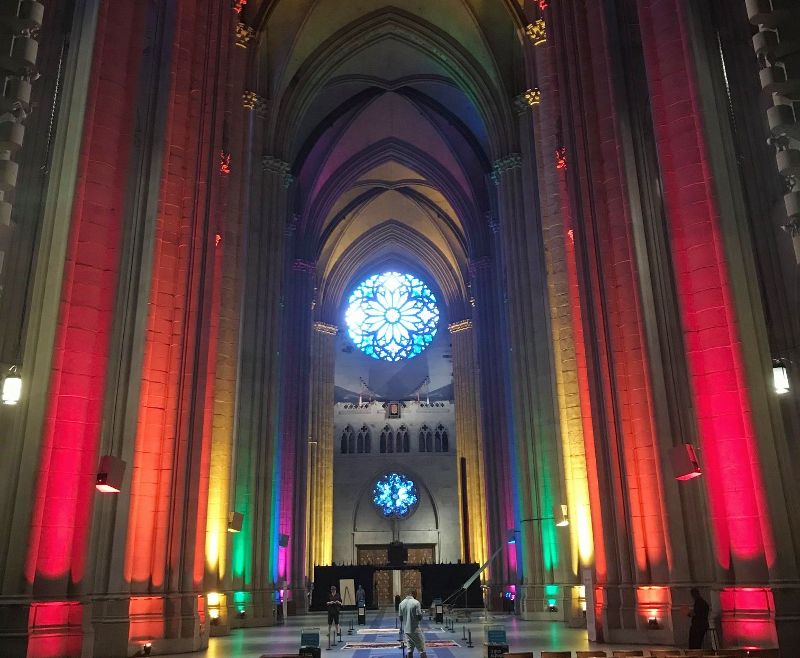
410	613
334	605
699	615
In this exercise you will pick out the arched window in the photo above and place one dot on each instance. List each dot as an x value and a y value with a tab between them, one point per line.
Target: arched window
441	440
365	438
360	443
401	439
348	441
424	438
387	439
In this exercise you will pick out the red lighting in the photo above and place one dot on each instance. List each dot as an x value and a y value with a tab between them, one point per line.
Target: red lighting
238	5
561	157
544	4
225	162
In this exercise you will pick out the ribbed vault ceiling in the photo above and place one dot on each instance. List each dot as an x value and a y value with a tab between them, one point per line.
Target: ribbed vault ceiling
390	117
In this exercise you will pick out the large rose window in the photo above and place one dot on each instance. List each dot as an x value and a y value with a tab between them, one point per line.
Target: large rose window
395	495
392	316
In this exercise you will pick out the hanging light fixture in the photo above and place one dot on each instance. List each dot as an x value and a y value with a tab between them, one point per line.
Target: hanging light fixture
12	386
564	518
780	377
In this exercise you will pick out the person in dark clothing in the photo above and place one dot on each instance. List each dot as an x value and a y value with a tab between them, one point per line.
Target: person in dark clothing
334	605
699	615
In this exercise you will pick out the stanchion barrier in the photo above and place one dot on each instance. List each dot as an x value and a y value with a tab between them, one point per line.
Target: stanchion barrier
464	635
469	639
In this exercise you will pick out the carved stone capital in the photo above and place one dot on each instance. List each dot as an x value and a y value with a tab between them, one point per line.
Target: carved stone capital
324	328
461	325
278	167
252	101
527	99
243	34
503	165
306	266
537	32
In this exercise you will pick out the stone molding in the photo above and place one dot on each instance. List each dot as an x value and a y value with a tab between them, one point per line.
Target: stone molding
252	101
537	31
307	266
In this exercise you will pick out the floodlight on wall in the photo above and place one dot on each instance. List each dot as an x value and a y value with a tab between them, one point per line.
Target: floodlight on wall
652	623
12	386
564	518
109	474
283	541
213	599
780	377
235	520
512	536
685	462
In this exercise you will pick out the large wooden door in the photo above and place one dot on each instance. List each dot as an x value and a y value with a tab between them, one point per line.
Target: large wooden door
411	580
382	586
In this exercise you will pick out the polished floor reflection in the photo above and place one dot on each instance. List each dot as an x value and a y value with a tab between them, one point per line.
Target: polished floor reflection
285	639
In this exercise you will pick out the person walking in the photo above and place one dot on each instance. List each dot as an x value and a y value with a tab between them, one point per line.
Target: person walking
699	615
334	605
410	613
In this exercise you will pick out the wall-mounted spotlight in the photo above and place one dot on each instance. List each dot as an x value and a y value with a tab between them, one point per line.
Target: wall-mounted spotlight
110	474
685	462
12	386
512	536
652	623
235	520
564	518
146	649
283	541
780	376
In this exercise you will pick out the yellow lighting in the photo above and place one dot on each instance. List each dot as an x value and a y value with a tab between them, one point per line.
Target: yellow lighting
213	613
533	96
564	519
537	32
213	599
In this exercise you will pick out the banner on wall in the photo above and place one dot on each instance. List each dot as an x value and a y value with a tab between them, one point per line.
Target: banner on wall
347	589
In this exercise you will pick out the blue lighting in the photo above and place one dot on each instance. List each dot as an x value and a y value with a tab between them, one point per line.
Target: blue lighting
392	316
395	495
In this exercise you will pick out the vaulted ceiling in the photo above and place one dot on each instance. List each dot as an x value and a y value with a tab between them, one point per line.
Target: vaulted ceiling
390	117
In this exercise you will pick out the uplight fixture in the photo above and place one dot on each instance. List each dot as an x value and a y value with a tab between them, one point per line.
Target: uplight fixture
564	518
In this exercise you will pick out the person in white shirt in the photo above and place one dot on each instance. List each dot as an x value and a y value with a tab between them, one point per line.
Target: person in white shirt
410	613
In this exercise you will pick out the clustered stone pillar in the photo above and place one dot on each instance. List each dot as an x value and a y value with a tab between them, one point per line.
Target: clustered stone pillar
469	434
299	304
320	447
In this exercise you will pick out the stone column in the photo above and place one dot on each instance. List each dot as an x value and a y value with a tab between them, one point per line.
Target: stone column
469	440
542	547
298	304
492	358
256	490
320	456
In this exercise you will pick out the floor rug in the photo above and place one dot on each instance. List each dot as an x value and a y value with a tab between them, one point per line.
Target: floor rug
429	644
378	631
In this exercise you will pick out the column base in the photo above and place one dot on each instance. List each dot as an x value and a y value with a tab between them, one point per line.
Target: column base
170	624
30	629
251	609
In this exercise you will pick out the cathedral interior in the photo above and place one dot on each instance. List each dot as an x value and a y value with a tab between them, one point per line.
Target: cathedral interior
511	286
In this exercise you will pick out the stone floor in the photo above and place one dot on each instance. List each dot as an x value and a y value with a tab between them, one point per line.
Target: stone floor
521	635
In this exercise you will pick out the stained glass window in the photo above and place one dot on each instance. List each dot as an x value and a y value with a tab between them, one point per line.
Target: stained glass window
395	495
392	316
